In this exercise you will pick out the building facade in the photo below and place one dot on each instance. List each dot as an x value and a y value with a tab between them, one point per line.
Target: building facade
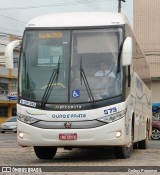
8	81
147	31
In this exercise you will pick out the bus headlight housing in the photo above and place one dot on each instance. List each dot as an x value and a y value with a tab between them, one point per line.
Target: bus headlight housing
113	117
27	119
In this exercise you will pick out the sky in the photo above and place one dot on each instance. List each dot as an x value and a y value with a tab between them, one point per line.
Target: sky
14	14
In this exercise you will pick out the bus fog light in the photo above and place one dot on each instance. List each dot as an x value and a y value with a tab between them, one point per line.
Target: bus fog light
21	135
118	134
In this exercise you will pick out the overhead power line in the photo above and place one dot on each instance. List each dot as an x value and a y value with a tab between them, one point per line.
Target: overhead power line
12	18
52	5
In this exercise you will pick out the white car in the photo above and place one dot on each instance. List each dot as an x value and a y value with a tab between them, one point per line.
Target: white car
10	125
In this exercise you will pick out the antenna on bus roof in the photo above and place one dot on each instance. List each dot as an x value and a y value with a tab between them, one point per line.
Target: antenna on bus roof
119	5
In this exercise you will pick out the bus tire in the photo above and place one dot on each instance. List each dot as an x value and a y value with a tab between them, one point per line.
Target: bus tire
143	144
45	152
123	152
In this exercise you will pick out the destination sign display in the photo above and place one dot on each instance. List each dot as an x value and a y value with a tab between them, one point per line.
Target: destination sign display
48	35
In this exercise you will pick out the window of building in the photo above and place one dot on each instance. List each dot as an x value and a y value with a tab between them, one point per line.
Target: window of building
3	88
15	62
3	111
14	85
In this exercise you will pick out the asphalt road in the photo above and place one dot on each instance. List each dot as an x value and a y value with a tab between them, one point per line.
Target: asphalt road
13	155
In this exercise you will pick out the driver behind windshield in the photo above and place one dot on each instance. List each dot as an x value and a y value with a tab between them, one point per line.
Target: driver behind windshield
105	70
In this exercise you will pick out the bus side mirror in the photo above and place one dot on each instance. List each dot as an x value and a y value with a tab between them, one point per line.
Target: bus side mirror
9	53
127	52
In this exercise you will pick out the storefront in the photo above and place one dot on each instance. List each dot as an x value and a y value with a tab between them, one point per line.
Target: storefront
7	109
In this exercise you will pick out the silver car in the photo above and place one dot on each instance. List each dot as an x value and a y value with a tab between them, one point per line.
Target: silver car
10	125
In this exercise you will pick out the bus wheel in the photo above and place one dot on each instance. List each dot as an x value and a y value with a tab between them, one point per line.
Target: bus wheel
143	144
45	152
124	152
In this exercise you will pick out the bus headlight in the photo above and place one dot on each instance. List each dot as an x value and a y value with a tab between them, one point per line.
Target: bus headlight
113	117
27	119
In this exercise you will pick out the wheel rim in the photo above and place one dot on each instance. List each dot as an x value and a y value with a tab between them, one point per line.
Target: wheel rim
156	134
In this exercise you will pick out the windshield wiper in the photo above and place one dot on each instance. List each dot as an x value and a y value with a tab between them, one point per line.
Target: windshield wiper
50	85
83	76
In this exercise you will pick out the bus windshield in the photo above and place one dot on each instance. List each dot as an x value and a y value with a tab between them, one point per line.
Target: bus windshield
52	62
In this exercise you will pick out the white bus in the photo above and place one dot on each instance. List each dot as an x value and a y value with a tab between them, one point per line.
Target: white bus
64	102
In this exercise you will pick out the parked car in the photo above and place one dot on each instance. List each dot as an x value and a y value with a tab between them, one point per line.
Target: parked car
10	125
155	129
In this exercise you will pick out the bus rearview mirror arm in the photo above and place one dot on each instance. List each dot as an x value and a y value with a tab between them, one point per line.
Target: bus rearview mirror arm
9	53
127	52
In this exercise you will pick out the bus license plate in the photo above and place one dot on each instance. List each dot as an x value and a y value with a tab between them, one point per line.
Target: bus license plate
68	136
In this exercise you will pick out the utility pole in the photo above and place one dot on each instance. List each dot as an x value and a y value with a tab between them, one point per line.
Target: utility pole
119	5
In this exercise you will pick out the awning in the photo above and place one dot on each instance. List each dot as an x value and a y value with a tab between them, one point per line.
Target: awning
155	107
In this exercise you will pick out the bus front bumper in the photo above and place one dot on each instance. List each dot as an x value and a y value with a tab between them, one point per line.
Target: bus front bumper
107	135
